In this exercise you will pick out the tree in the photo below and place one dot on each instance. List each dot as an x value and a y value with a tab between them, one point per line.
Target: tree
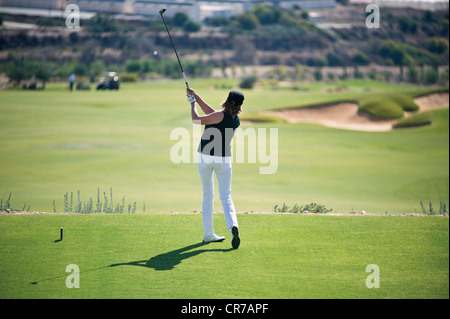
26	69
248	21
267	15
320	62
15	71
360	58
133	66
191	26
395	52
412	75
391	50
42	72
431	76
407	24
73	37
318	74
334	59
81	69
179	19
96	68
437	45
182	20
102	23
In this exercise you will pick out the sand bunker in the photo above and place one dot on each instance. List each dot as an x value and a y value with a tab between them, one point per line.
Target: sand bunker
341	115
346	116
432	101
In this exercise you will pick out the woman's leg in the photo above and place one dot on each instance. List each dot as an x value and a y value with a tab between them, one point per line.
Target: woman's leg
223	174
206	175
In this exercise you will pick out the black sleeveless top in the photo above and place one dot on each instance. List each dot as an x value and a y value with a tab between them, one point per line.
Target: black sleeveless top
216	138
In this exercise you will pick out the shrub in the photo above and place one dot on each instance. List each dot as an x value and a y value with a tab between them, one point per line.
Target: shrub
83	86
128	77
248	82
133	66
107	206
6	205
311	208
191	26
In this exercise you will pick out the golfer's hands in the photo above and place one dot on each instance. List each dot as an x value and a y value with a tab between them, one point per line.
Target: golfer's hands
191	95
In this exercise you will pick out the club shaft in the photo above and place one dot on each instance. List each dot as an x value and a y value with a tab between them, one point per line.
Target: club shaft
185	80
176	53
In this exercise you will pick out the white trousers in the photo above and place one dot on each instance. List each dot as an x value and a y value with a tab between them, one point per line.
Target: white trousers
221	166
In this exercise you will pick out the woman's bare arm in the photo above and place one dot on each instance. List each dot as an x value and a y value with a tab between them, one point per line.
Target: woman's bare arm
206	108
211	118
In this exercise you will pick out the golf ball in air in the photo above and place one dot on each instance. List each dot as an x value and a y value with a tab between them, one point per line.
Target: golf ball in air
155	52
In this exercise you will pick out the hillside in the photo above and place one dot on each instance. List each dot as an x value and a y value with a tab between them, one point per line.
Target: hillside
412	40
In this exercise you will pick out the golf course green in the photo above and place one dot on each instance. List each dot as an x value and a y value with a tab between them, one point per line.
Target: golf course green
53	142
103	145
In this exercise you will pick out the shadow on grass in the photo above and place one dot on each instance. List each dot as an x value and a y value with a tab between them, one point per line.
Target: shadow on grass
168	261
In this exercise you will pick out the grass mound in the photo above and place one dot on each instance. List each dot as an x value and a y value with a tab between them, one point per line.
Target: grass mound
388	106
415	120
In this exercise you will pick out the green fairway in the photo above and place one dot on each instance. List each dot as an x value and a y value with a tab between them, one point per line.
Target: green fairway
281	256
53	142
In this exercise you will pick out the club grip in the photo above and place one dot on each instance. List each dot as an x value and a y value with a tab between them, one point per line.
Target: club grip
185	80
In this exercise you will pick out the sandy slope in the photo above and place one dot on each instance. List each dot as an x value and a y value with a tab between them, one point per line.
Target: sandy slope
346	116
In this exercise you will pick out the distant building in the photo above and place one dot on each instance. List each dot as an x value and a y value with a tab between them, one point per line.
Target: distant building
197	10
150	7
304	4
431	5
36	4
107	6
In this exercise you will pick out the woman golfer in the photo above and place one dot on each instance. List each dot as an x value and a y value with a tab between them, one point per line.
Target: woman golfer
215	157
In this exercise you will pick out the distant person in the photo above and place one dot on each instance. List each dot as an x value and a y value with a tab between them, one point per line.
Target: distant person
71	81
215	157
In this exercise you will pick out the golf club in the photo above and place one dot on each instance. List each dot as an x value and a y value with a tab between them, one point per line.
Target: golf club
161	12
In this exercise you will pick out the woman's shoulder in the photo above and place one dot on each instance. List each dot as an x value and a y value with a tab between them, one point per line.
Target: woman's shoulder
228	115
233	122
